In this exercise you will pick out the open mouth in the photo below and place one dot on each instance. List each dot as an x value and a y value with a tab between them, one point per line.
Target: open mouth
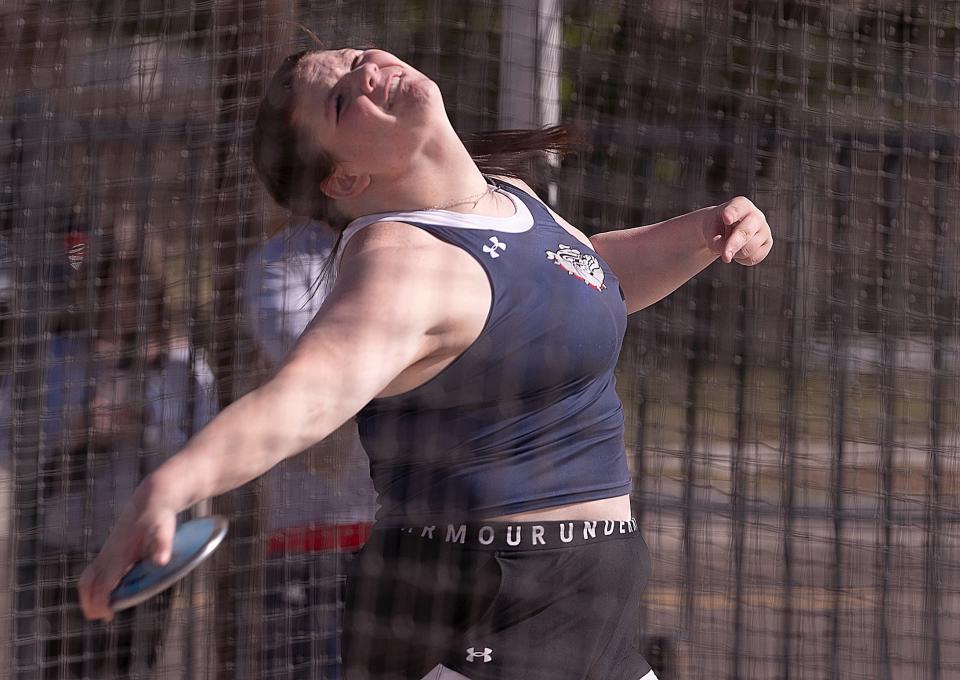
392	88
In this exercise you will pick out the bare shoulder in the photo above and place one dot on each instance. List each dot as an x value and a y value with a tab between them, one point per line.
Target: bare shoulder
405	254
412	290
408	259
520	184
389	235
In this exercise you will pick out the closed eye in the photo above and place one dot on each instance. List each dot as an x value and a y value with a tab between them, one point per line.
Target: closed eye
339	98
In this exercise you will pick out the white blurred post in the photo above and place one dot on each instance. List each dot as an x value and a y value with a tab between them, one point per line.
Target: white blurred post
530	61
549	60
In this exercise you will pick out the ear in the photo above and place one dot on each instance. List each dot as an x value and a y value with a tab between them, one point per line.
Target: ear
342	184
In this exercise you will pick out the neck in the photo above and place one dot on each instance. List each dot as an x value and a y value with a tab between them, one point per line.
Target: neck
440	174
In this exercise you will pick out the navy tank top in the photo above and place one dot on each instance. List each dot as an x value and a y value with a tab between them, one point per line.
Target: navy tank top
528	416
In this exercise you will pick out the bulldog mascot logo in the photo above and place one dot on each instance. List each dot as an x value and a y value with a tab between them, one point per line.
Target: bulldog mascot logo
584	266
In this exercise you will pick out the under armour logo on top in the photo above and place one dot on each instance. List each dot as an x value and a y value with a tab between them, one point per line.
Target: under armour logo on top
491	250
486	655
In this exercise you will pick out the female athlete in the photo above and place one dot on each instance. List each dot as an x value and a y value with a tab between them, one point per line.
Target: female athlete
474	334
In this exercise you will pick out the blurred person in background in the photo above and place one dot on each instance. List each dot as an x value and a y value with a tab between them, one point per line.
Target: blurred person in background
120	396
319	506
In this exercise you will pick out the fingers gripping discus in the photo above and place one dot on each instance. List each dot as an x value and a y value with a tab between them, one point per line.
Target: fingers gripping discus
194	542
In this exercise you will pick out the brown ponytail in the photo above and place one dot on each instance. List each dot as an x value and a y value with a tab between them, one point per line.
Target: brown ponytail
512	153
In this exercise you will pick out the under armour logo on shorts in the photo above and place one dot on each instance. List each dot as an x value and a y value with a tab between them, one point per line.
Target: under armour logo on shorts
486	655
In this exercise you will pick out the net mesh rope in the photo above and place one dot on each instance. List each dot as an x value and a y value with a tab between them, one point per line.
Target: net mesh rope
791	429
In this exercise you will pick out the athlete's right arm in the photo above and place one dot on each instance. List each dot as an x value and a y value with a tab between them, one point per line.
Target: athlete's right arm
380	318
385	315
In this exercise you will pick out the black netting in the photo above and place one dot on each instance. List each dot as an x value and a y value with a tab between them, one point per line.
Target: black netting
792	429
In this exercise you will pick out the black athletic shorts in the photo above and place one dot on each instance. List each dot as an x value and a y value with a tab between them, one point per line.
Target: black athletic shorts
498	601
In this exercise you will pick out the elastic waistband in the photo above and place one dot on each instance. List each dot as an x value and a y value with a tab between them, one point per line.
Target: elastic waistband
504	536
319	538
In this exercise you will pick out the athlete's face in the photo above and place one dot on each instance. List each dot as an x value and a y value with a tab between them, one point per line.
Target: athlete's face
367	109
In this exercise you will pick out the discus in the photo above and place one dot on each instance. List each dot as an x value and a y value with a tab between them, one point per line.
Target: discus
194	542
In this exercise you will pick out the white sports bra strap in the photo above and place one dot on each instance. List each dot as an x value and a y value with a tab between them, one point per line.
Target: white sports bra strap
519	222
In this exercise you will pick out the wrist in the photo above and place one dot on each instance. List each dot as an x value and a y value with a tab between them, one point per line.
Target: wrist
167	488
711	242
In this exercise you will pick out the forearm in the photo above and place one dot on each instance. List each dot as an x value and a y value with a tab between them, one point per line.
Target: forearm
653	261
245	440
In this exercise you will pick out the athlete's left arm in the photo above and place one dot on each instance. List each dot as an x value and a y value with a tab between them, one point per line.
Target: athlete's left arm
653	261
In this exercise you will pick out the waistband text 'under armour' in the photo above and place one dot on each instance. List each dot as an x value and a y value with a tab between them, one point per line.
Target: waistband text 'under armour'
523	535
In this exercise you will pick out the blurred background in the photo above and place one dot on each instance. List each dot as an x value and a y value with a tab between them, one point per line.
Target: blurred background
792	429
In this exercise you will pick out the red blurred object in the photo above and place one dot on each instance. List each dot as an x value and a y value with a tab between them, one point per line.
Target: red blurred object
76	243
319	538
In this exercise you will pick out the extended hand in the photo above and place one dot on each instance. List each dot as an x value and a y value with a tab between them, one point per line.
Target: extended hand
145	530
738	231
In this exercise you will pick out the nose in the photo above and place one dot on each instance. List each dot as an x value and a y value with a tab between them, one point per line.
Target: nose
369	74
